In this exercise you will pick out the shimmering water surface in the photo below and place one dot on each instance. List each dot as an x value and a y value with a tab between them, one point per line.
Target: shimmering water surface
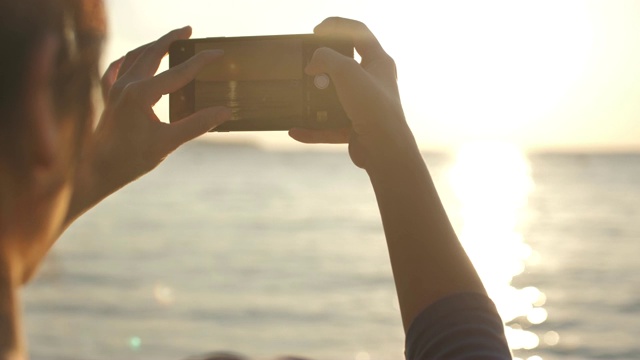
277	253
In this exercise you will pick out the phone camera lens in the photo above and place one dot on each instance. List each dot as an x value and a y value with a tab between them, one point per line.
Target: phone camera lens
321	81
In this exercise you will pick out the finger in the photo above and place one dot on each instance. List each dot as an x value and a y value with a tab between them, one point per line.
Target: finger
356	88
363	39
148	62
312	136
194	125
374	59
179	76
326	60
131	58
110	77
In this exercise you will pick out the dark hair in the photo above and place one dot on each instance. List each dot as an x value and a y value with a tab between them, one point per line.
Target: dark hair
24	24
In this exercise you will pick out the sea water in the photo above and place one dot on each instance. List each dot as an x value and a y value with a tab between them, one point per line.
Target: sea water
269	253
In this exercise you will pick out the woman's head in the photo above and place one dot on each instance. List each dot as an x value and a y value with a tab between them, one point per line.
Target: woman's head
77	28
51	52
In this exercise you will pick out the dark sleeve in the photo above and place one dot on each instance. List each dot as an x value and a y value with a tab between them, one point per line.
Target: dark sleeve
460	326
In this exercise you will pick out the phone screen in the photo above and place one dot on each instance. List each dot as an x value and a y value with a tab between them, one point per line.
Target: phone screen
255	79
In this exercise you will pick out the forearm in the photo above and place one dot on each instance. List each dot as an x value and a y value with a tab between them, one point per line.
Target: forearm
427	259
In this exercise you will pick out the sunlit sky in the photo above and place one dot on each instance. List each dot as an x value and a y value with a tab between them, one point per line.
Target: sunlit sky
556	75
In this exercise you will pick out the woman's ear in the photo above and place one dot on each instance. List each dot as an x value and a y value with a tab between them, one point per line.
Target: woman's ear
38	106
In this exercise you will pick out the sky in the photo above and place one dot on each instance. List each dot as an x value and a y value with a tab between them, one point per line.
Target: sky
541	75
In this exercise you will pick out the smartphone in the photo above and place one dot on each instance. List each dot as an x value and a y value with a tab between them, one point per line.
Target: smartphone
262	80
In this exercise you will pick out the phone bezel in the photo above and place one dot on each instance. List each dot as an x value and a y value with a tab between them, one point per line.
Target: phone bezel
182	102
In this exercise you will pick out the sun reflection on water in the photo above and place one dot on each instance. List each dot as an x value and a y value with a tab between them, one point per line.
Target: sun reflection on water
492	183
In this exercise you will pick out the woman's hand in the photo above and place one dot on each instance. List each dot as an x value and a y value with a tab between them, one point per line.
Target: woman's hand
427	260
368	92
130	140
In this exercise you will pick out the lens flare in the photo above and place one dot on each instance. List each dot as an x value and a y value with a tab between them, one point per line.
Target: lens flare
135	343
163	294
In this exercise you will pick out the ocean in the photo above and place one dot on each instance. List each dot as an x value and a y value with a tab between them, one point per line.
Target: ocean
269	253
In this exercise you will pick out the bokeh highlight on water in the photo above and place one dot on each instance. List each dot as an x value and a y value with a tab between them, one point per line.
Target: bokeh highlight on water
272	253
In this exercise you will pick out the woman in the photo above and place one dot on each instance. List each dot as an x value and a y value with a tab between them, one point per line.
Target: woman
54	166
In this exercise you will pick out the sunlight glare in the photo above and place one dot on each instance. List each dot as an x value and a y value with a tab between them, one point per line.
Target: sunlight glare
488	69
521	339
492	183
551	338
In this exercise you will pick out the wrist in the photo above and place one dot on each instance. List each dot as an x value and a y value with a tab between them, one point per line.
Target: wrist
394	155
